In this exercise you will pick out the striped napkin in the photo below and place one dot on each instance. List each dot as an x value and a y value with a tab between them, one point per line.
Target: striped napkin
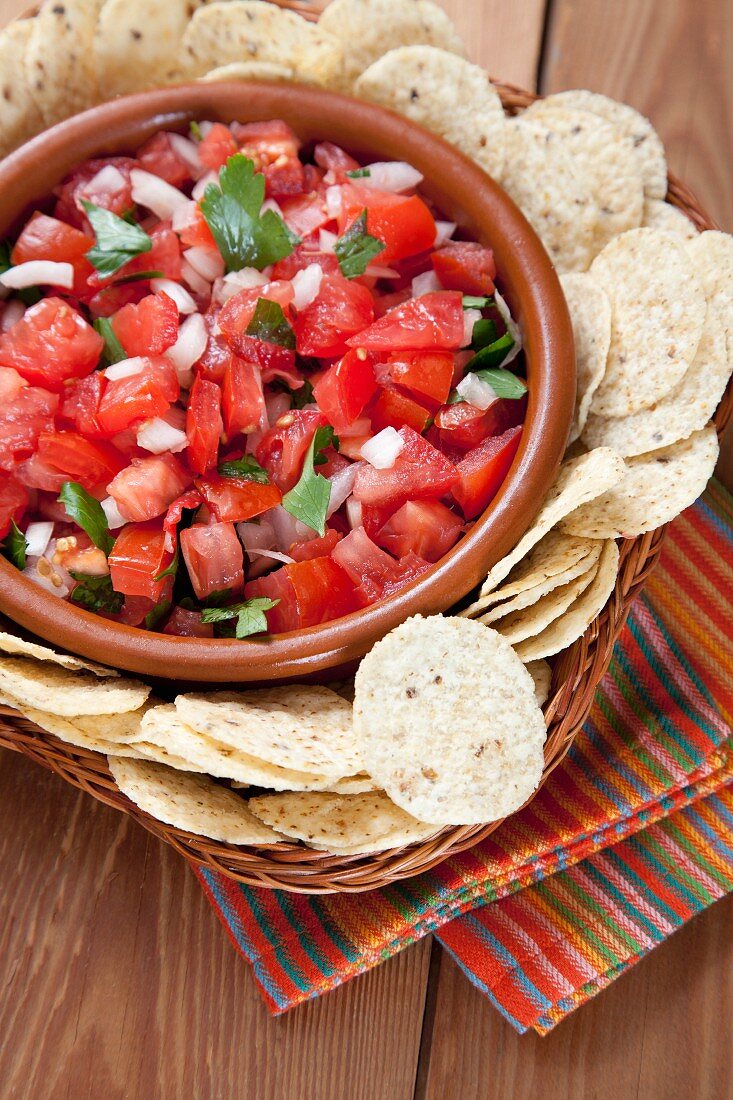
630	837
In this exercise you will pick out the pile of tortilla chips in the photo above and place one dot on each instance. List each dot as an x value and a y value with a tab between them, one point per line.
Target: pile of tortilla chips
443	725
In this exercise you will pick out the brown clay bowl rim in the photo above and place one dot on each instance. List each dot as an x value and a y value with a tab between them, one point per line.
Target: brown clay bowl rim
467	195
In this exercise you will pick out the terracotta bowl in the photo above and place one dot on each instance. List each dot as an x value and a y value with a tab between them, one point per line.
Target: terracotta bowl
465	195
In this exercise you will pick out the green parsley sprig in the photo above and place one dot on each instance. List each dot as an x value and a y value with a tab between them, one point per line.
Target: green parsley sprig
118	240
249	614
308	500
357	248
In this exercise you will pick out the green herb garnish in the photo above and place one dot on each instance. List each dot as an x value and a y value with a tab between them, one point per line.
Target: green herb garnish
503	382
246	467
138	277
308	500
357	248
359	174
269	324
159	611
493	355
250	615
171	570
118	240
472	301
195	131
15	545
113	351
96	594
484	333
87	512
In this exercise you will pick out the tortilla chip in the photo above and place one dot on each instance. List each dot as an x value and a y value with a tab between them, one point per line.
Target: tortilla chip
530	596
164	727
60	58
648	147
305	728
368	29
712	256
541	674
656	488
248	30
580	480
590	313
353	823
138	43
448	721
657	318
83	733
250	70
66	693
20	116
9	643
194	803
659	214
569	627
532	619
148	751
684	410
445	94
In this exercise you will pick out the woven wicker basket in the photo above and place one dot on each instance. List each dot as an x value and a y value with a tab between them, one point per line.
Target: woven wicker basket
576	673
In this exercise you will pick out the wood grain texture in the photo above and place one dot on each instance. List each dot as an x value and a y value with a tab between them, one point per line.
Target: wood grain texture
503	37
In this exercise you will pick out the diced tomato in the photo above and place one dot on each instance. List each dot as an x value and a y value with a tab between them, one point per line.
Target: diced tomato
203	424
21	422
217	356
133	613
343	307
375	574
197	234
46	238
81	402
383	303
483	470
374	517
190	500
149	328
164	258
276	586
138	557
34	473
420	472
10	385
393	409
92	464
148	393
13	502
335	159
217	147
427	373
242	398
335	462
183	623
431	321
273	147
282	449
311	592
145	488
424	527
85	184
304	214
214	558
315	548
302	257
466	266
345	388
404	223
237	313
232	499
110	299
158	155
51	344
463	426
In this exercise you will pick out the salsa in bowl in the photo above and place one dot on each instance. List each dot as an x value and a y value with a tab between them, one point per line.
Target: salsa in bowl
258	385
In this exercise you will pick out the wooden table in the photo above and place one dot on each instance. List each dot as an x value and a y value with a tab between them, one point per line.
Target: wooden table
116	980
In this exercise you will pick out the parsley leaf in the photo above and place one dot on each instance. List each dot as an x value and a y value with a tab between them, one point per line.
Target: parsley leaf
96	594
493	355
359	174
195	131
138	277
308	500
218	597
171	570
503	382
357	248
158	612
454	398
118	240
268	323
250	615
113	351
245	237
484	333
303	396
15	545
246	467
85	510
472	301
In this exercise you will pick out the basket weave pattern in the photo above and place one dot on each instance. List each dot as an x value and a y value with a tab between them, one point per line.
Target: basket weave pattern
577	671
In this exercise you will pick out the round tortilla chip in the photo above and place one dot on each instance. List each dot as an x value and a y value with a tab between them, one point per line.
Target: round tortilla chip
250	70
656	488
540	176
657	318
305	728
194	803
541	674
569	627
83	733
684	410
20	116
18	647
590	313
537	592
445	94
531	620
340	823
248	30
368	29
648	148
659	214
66	693
148	751
60	65
712	255
448	721
137	44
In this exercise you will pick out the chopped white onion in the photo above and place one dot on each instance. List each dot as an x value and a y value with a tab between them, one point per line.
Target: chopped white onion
470	317
174	290
245	279
189	347
12	313
107	179
187	150
125	368
427	283
275	555
157	436
443	232
288	529
271	204
512	328
306	285
390	175
334	201
206	262
276	404
184	216
378	272
37	538
382	450
342	486
205	128
115	519
256	536
200	187
155	194
353	513
194	281
38	273
326	240
477	392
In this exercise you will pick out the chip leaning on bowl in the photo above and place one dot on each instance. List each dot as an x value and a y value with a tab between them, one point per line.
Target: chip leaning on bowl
446	726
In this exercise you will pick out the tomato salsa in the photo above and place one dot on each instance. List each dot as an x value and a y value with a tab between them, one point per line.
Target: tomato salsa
246	386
